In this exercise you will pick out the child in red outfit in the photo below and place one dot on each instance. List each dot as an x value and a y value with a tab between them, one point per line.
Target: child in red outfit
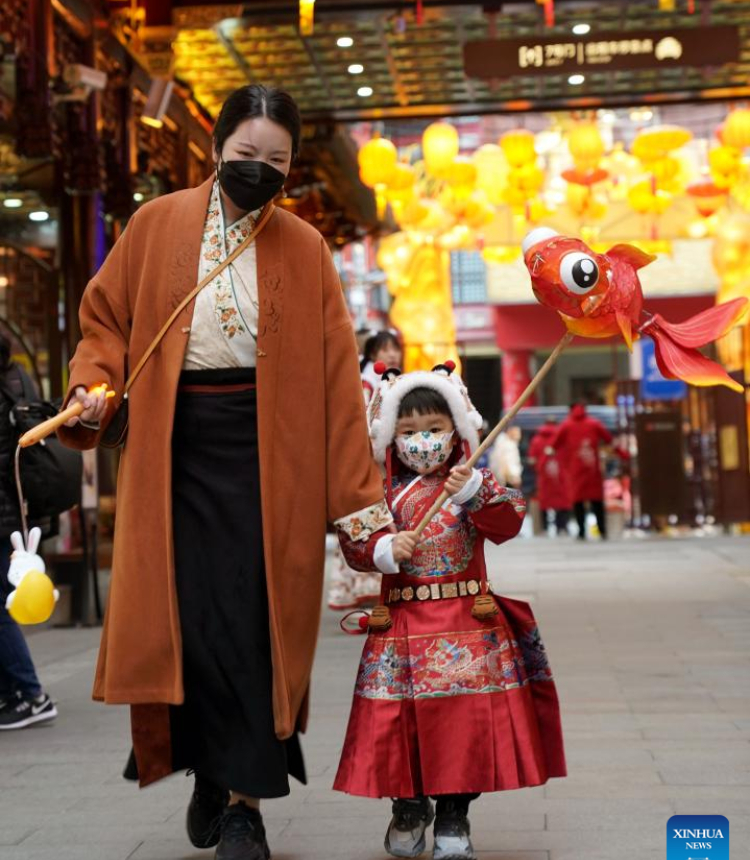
450	701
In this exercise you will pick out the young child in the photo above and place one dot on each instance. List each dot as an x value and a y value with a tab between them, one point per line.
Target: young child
455	697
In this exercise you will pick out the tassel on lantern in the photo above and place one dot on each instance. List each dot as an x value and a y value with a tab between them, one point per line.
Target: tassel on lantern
484	607
420	12
380	619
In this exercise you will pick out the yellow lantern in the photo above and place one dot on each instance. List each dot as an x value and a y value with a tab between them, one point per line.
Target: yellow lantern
400	189
377	162
440	147
462	172
403	177
518	146
736	129
479	211
412	213
492	171
725	163
644	200
586	145
657	142
461	176
529	179
665	171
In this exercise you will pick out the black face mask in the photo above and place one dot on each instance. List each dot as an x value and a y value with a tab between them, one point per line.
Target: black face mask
250	184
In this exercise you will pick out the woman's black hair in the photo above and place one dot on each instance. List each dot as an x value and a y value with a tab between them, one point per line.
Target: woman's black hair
374	344
424	401
256	100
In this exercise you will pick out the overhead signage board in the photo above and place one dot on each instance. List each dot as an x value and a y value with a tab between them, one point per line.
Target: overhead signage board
629	49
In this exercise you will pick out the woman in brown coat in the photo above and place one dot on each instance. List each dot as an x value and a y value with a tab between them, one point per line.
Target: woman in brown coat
246	433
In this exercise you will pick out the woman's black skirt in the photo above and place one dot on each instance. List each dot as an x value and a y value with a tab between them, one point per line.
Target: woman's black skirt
225	729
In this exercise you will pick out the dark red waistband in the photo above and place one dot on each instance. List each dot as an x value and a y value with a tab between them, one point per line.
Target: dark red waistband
216	389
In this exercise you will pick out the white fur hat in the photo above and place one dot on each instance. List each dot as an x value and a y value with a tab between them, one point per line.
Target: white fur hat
382	414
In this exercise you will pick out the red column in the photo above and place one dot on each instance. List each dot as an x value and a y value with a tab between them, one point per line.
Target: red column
516	375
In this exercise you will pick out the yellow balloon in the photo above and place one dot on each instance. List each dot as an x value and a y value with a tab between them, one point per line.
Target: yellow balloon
34	599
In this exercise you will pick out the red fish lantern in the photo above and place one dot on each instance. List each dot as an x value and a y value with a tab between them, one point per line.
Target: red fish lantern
600	296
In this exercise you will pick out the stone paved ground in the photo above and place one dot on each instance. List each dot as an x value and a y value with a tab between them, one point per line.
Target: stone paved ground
650	643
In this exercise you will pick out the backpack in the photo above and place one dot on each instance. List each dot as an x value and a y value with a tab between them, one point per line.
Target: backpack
51	474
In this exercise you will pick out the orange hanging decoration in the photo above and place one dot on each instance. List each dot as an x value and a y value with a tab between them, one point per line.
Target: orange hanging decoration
549	11
306	17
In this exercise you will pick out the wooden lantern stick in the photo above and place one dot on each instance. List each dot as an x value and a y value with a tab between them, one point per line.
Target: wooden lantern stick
504	422
48	427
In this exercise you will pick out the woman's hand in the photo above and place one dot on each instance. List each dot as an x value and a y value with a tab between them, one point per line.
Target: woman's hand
94	405
403	546
457	480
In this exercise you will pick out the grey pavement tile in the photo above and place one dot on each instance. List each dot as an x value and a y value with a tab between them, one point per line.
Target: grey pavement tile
15	833
612	821
689	774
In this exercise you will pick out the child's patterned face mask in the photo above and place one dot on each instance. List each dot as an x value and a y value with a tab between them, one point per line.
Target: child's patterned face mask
424	451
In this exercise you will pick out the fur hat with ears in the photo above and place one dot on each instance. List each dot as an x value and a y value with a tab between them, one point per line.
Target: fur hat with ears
382	414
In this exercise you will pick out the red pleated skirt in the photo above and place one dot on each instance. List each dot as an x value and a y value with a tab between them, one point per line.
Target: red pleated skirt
447	704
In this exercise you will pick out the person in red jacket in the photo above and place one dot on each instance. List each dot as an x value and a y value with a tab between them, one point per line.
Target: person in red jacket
551	481
578	441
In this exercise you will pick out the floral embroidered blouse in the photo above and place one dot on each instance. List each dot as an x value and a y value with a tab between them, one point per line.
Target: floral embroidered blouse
225	323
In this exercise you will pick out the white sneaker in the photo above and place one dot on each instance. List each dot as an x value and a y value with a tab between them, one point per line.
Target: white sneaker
452	840
406	832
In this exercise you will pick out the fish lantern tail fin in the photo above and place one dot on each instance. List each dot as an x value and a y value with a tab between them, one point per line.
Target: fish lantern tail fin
676	361
706	326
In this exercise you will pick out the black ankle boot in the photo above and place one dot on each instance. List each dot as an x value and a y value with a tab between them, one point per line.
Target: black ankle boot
204	813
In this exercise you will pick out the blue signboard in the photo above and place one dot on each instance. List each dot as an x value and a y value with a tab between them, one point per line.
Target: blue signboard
698	837
654	386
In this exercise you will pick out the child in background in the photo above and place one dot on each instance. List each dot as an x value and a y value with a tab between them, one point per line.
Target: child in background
454	696
349	588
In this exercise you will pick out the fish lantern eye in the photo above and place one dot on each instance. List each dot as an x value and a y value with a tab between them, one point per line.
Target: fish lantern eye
579	273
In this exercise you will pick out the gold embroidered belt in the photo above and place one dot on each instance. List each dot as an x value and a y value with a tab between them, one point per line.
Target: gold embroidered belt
435	591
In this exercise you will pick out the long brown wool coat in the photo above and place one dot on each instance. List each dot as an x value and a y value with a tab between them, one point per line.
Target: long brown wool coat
315	457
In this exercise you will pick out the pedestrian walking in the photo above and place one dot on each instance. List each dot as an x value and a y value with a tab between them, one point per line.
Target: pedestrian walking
505	458
551	480
349	588
246	433
23	702
454	695
578	441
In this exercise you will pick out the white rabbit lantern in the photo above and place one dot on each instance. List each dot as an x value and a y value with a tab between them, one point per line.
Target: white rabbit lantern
34	597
